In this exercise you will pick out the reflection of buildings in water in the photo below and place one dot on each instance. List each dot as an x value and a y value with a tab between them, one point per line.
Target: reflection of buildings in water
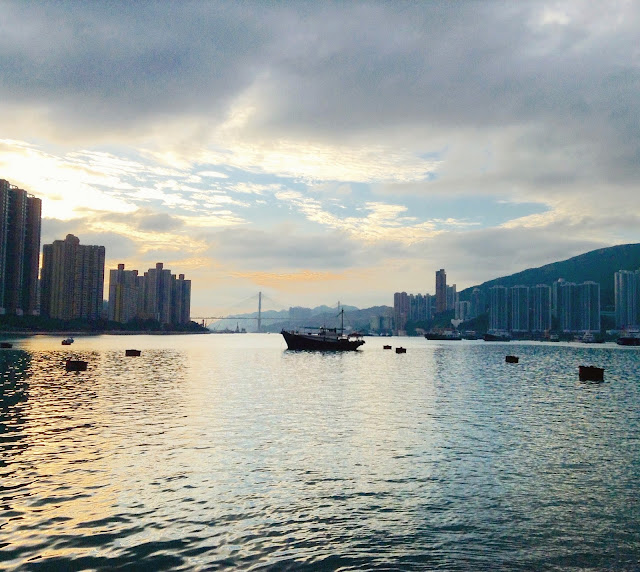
15	370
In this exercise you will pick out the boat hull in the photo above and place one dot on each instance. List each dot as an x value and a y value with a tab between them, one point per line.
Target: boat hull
628	341
496	338
442	337
319	343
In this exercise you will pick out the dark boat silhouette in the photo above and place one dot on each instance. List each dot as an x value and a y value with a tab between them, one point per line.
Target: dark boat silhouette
325	339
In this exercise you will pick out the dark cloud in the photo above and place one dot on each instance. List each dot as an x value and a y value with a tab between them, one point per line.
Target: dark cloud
115	64
159	222
283	248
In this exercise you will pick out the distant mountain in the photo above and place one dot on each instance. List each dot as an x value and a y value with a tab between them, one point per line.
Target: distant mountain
598	265
275	320
354	319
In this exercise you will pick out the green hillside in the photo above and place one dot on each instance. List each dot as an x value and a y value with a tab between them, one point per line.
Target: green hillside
597	265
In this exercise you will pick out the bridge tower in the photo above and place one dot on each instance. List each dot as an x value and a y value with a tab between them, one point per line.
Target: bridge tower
259	312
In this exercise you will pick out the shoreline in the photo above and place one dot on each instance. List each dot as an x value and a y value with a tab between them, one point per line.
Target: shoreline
67	333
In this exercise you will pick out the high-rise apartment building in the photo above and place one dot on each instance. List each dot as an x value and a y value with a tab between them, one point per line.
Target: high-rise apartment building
463	310
589	306
419	307
157	295
579	307
520	309
72	279
498	308
124	286
627	298
541	308
441	291
478	305
180	300
556	297
452	297
20	216
401	308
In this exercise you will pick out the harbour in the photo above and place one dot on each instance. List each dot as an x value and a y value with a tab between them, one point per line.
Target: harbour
232	452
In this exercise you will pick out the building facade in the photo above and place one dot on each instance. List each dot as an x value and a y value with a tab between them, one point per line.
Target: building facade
579	307
124	296
463	310
20	223
541	308
520	309
401	307
627	303
72	280
156	295
441	291
498	308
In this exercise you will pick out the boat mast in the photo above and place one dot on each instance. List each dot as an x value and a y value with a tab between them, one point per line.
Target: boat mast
259	312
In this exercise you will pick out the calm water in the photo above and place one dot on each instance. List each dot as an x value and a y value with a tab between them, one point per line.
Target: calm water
227	451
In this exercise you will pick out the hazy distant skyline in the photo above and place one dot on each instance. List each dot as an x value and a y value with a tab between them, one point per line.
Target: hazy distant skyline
325	151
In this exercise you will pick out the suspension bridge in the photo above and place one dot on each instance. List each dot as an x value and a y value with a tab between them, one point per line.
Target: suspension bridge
259	297
245	313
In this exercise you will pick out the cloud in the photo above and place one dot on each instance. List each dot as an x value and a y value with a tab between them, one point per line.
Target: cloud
283	248
344	139
158	222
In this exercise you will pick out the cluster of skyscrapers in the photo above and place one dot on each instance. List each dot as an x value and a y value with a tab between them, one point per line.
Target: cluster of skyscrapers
157	295
71	282
421	307
562	306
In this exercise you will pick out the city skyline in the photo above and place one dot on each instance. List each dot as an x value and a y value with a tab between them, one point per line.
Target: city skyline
329	152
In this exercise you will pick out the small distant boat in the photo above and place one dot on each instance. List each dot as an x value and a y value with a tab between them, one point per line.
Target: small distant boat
630	338
67	341
76	365
589	338
325	339
6	345
497	336
132	352
443	335
386	347
401	350
511	359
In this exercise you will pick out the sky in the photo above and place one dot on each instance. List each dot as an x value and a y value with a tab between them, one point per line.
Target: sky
325	151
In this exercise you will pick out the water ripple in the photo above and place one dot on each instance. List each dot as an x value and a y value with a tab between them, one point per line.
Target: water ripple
226	452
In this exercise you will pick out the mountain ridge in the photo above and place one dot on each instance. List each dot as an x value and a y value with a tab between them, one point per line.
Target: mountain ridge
598	265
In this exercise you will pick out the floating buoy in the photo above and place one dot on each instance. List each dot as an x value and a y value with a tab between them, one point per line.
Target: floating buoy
401	350
386	347
132	352
590	373
76	365
511	359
